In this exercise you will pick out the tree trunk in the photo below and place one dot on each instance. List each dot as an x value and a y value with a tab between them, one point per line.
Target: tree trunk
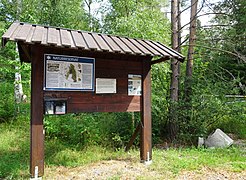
175	67
89	3
18	85
189	65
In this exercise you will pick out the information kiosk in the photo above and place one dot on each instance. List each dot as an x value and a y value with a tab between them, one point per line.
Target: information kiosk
75	71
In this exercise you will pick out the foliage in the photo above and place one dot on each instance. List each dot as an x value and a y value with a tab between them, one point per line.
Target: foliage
138	19
106	129
14	147
227	36
62	13
211	109
219	70
160	93
7	104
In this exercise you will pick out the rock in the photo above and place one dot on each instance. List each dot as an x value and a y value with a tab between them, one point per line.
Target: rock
218	139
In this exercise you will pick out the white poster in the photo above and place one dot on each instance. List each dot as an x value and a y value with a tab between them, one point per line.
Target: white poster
69	73
105	85
134	85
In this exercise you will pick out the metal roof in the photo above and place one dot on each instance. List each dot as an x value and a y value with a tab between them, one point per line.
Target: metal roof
74	39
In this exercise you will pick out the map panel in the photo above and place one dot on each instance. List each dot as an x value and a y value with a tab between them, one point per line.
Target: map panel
69	73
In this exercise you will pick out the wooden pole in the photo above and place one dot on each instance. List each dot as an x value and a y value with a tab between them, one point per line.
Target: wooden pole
146	128
133	137
37	134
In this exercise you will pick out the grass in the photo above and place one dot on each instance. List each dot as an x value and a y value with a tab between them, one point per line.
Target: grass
176	160
14	155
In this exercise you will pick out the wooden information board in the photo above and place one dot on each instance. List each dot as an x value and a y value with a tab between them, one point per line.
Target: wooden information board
75	71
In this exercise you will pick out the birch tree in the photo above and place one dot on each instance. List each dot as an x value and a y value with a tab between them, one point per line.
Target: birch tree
18	84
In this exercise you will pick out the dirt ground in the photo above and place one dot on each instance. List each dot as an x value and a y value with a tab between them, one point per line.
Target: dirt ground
127	170
131	170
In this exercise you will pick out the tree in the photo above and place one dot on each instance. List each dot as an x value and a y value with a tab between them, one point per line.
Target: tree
189	64
137	19
223	44
69	14
175	68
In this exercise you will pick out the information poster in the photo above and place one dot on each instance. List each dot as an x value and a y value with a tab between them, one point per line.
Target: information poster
134	85
105	85
69	73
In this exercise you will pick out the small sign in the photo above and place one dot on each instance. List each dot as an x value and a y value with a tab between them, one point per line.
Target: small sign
134	85
55	107
68	73
105	85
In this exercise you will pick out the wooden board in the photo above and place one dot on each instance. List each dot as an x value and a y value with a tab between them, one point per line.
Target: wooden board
146	130
37	135
78	101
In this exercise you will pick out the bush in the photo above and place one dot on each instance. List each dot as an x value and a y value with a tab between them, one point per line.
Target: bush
107	129
7	102
233	119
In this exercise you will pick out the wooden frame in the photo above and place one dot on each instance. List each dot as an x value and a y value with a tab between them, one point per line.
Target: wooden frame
107	66
116	58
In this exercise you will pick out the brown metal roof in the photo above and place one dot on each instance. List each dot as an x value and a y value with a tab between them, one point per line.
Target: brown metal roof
60	37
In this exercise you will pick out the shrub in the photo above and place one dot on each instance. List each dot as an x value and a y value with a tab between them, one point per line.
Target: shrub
7	102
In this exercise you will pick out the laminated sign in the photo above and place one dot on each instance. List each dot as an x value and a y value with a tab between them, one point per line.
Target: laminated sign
134	85
68	73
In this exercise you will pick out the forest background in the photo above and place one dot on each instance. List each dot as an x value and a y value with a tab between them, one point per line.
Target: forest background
218	78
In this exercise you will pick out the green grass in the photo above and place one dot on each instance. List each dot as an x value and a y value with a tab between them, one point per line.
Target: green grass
14	154
176	160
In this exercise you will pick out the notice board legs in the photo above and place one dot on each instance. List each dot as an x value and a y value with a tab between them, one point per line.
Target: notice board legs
37	134
37	151
146	128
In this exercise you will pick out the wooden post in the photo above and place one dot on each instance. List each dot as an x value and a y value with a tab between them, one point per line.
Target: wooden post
146	131
133	137
37	134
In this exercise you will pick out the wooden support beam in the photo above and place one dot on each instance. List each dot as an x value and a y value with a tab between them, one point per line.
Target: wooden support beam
37	134
133	137
24	52
146	130
163	59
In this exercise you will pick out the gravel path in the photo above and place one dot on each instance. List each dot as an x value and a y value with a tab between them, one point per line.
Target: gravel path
126	170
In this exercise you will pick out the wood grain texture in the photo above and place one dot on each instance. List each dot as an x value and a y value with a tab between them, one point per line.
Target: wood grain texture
157	48
23	32
79	40
66	38
54	37
100	41
91	102
140	46
8	34
90	41
146	131
94	42
131	46
123	46
37	136
112	44
38	34
154	51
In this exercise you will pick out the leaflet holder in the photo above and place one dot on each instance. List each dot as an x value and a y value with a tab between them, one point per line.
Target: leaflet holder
56	106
